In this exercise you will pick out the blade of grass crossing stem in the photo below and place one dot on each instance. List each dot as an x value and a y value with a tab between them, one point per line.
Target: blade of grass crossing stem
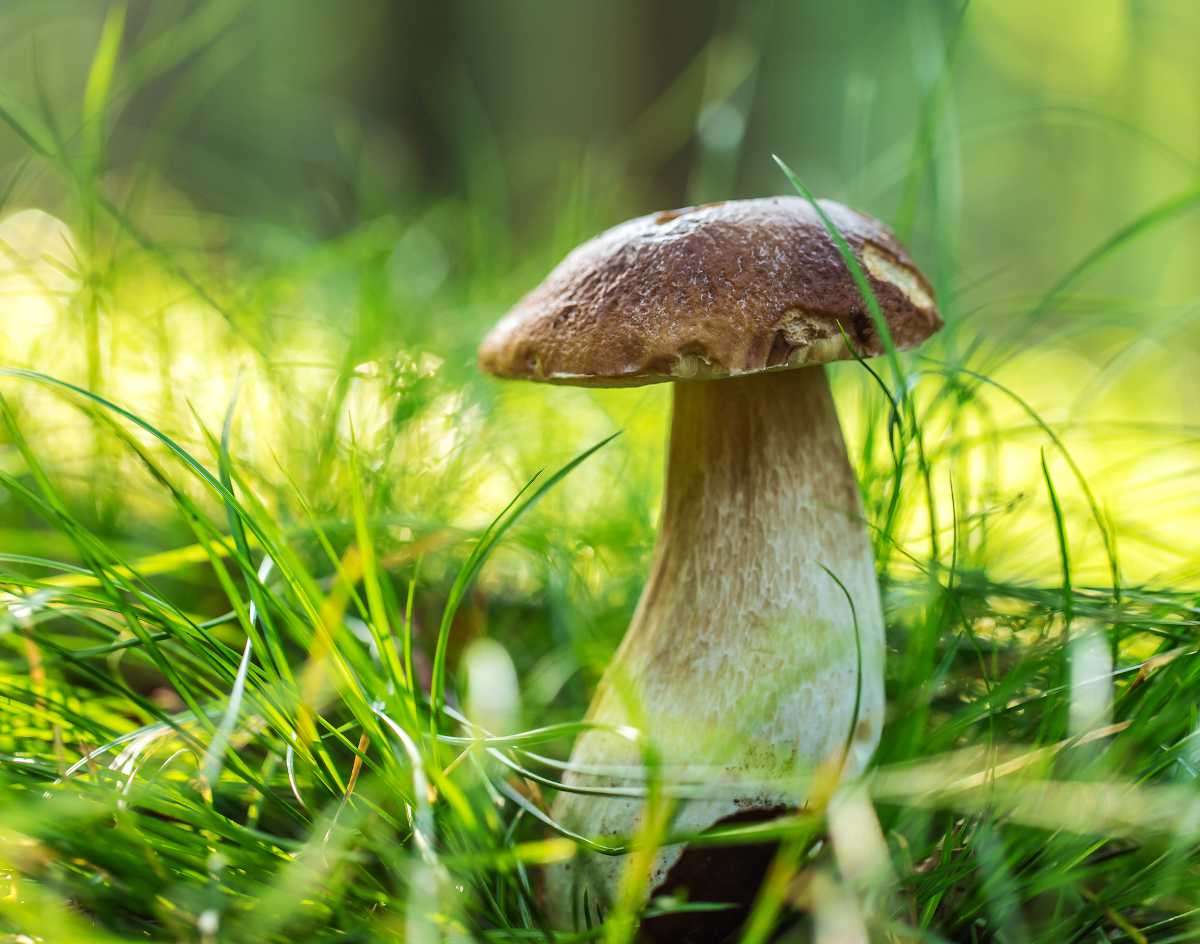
524	500
528	806
858	668
621	925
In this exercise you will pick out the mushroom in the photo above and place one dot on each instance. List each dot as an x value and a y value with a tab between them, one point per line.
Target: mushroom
756	651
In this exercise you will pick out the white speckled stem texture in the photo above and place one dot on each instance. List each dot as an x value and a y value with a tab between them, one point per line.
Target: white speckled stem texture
741	663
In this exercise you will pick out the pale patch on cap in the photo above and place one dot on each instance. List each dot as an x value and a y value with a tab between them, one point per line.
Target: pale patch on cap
885	267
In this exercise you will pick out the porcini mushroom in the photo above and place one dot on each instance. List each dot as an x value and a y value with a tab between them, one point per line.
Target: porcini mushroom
745	661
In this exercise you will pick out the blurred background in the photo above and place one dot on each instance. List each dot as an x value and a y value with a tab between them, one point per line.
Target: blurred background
296	219
322	208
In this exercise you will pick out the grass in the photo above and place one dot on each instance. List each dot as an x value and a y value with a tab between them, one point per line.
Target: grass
250	551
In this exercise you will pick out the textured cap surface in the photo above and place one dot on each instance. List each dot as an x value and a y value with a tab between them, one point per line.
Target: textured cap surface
712	291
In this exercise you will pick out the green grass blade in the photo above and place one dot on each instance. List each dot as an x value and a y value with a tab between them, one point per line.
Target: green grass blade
475	560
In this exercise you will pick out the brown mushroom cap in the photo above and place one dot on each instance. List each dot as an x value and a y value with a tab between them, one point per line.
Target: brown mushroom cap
712	291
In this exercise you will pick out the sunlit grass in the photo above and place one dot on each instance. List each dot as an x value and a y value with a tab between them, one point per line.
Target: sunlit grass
279	659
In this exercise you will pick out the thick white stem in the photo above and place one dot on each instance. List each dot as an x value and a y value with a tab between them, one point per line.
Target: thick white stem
746	664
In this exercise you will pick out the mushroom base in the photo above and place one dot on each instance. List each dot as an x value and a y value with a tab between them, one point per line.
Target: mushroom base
729	874
747	666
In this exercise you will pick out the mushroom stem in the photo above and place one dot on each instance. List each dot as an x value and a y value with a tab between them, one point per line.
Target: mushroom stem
745	664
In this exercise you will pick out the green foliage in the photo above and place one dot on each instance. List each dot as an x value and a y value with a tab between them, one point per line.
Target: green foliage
257	503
